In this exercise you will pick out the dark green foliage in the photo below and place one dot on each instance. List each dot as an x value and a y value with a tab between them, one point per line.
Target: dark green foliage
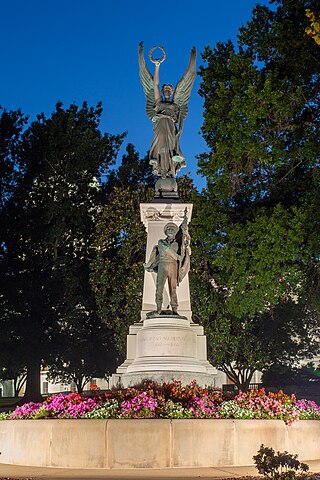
117	272
84	349
262	118
11	127
49	223
132	172
256	231
280	376
278	466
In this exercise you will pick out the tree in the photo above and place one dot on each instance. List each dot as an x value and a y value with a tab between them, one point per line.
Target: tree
11	127
249	329
85	350
255	230
49	225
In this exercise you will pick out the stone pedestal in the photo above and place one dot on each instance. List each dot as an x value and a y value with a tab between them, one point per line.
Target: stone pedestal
165	347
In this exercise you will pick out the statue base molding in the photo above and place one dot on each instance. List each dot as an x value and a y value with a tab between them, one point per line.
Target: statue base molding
166	188
165	348
165	313
166	195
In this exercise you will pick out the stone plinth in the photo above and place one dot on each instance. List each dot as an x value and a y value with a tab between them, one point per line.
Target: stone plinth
167	348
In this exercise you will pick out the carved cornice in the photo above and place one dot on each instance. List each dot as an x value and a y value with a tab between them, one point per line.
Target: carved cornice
164	212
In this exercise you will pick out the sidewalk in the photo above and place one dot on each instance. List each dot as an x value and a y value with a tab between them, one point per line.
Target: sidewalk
12	471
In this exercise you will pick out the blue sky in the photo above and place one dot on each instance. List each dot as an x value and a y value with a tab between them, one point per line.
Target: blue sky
76	50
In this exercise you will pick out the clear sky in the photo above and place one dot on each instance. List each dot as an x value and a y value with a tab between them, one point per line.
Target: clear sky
76	50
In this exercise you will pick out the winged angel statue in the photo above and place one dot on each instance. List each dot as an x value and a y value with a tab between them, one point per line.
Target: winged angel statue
166	115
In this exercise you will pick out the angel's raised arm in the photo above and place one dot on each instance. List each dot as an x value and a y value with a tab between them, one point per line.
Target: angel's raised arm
157	94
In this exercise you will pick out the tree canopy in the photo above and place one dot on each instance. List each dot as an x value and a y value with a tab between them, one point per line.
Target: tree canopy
49	222
257	223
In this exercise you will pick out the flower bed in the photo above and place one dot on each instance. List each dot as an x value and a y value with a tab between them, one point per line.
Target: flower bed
169	401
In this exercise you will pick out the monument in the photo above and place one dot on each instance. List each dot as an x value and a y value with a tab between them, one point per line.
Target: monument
165	344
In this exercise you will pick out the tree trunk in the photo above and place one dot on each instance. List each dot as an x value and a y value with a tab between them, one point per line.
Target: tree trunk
19	383
244	378
240	377
33	389
79	386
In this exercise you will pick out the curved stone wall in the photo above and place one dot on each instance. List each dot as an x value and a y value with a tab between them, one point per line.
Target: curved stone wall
158	443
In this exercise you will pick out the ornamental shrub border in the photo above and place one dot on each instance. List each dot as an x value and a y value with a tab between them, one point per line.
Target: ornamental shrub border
169	400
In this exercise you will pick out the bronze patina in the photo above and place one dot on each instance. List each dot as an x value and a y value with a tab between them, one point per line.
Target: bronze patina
167	113
170	260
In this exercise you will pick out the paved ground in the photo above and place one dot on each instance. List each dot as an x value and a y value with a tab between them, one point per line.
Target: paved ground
14	472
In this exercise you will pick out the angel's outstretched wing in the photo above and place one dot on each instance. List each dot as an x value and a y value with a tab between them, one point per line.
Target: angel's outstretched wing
147	83
183	89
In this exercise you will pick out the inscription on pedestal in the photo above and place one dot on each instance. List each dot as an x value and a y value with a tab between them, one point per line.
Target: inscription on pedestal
166	343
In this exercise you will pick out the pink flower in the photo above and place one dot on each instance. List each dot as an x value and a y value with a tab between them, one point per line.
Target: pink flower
25	411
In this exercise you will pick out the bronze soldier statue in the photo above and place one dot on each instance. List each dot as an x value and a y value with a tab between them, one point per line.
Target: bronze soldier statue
170	259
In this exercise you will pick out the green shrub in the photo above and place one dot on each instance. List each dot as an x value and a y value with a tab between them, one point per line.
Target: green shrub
5	415
278	466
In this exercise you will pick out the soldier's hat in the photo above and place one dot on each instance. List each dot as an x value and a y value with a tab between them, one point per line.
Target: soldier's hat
171	224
